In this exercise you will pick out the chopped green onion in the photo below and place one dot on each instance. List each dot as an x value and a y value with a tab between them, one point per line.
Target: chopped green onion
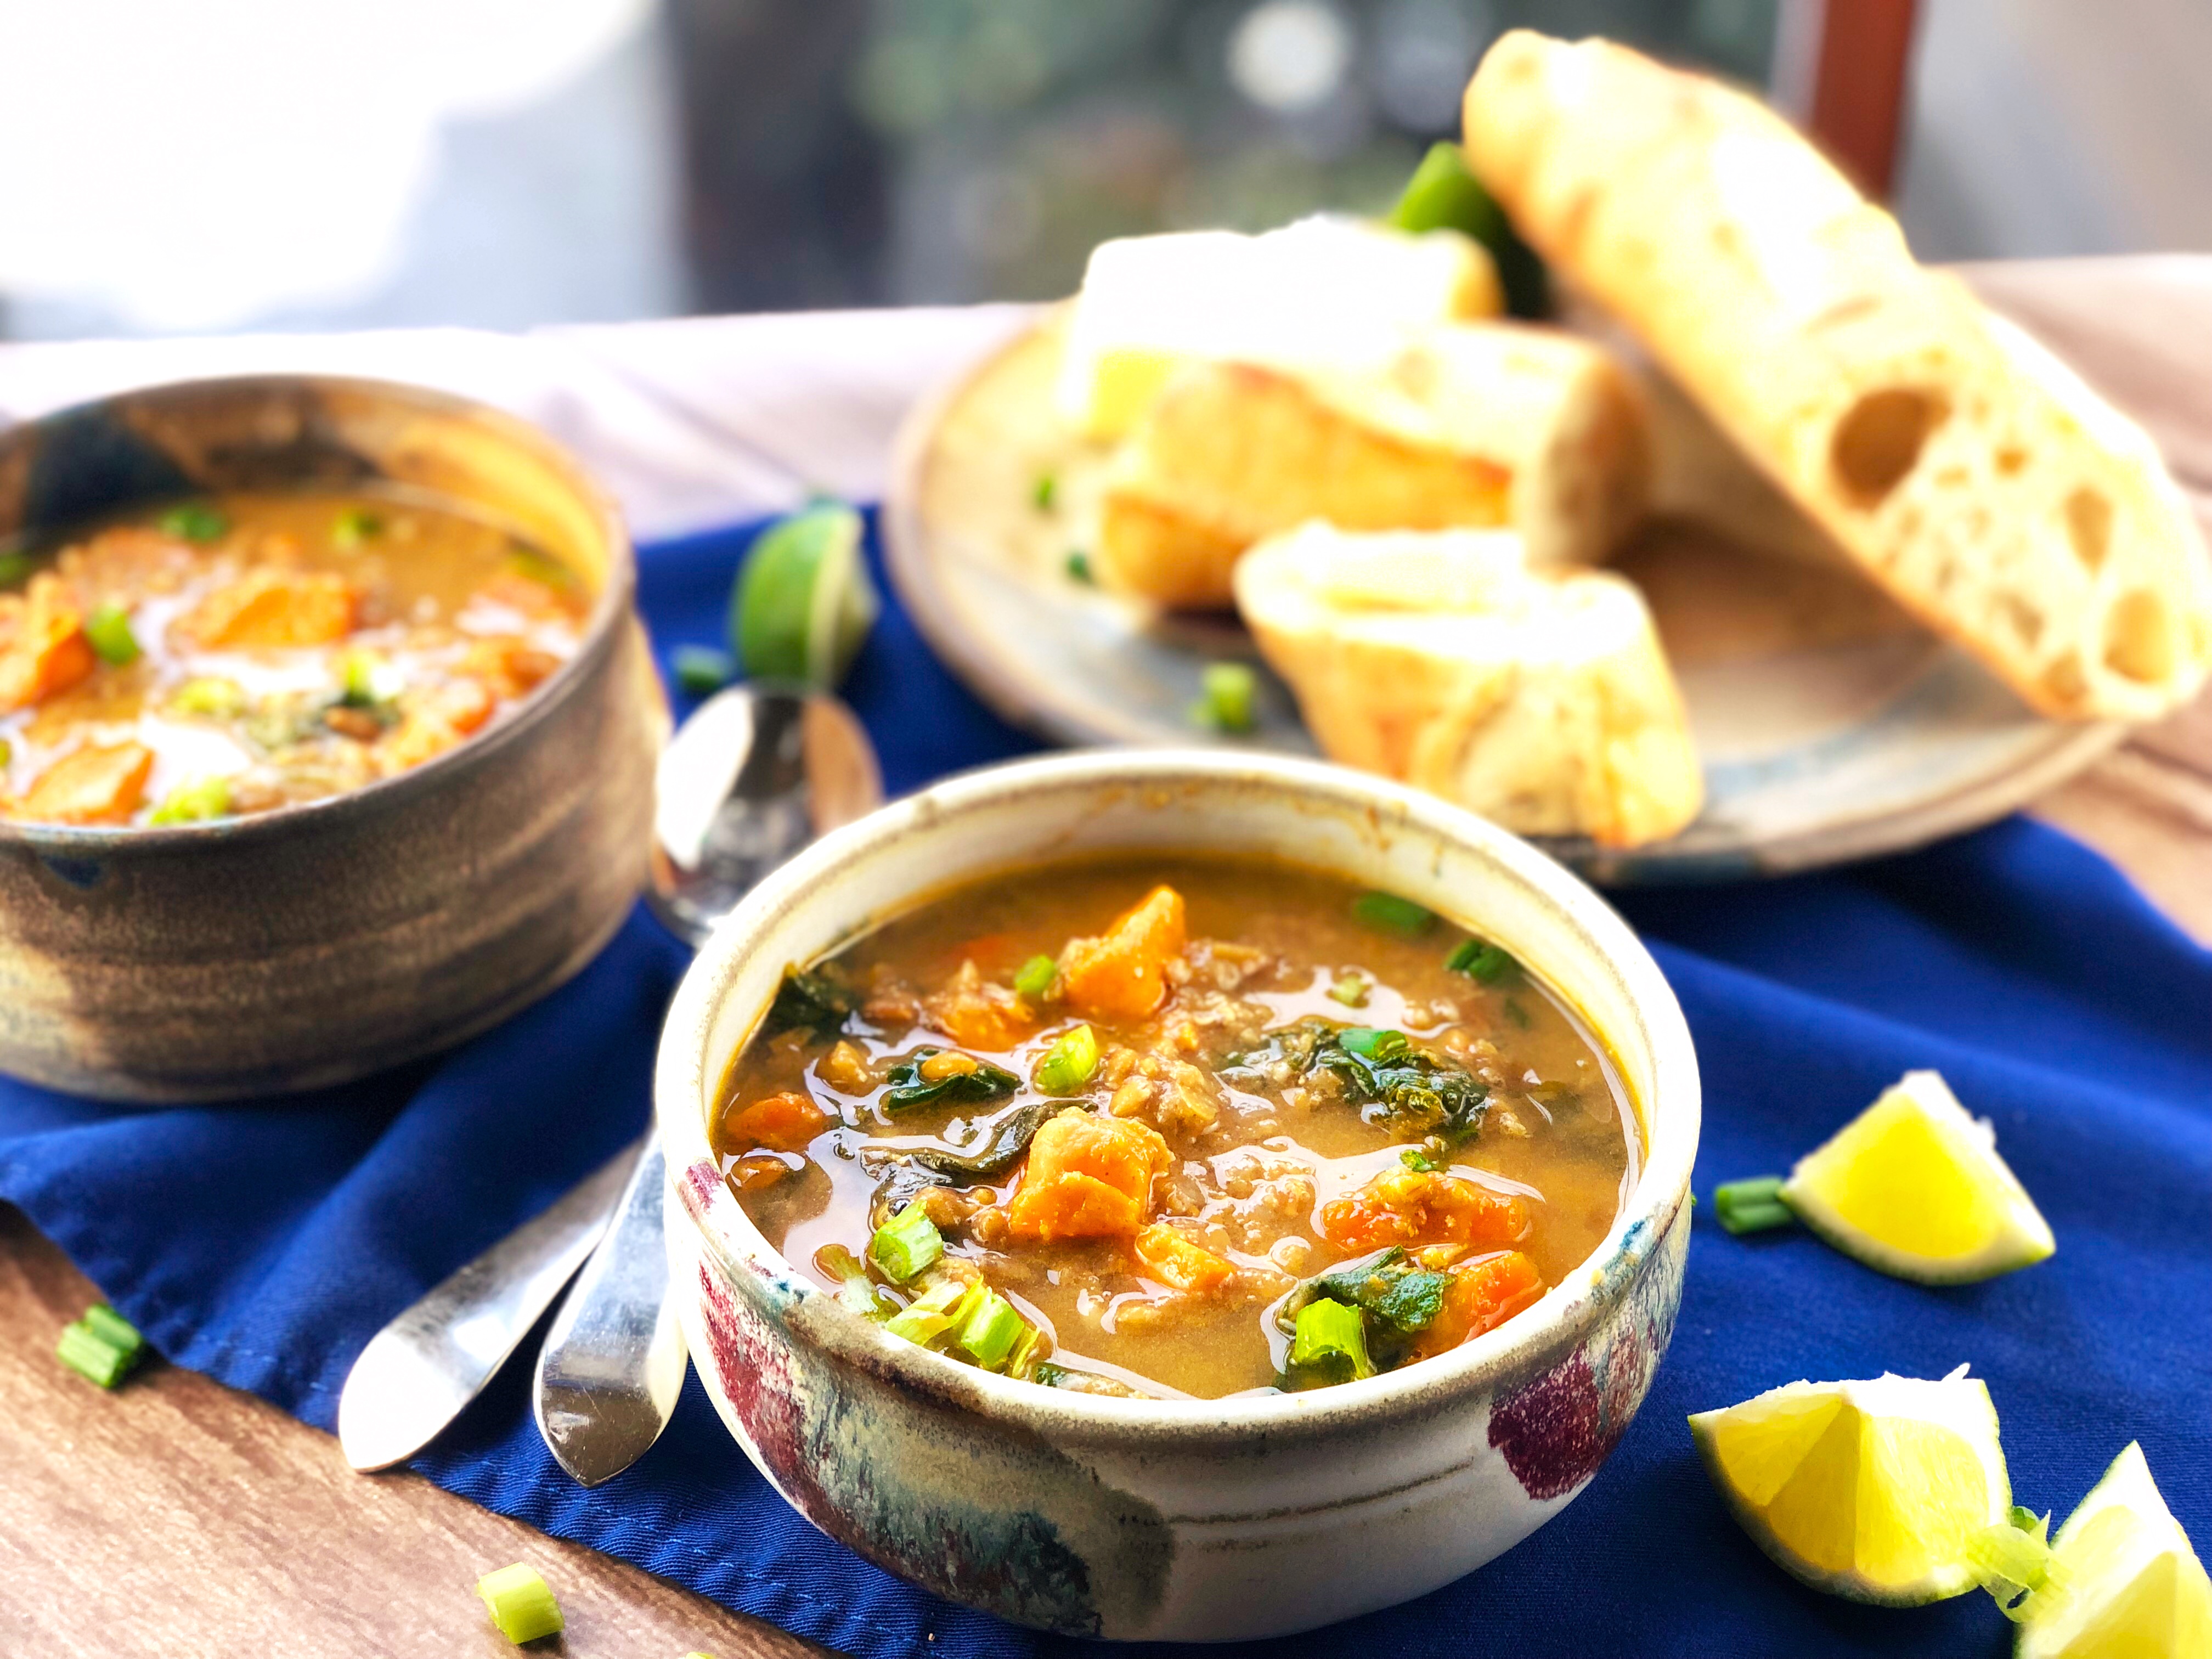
16	567
1751	1206
108	628
1079	567
854	1288
542	568
1035	977
1417	1160
1329	1331
195	802
1351	991
702	671
112	1329
1024	1350
992	1330
1068	1064
210	695
522	1603
1226	692
194	521
1046	489
1393	915
1481	962
929	1316
907	1243
353	525
91	1355
2012	1560
367	681
1369	1043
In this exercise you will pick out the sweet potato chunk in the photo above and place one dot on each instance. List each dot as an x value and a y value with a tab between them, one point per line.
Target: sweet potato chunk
1088	1177
91	785
1480	1295
43	648
1121	975
1416	1207
1178	1263
782	1123
275	608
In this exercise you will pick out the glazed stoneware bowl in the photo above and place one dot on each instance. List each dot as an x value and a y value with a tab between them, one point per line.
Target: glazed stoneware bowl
1175	1519
316	943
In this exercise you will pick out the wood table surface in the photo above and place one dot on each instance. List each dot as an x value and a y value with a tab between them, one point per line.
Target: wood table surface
177	1517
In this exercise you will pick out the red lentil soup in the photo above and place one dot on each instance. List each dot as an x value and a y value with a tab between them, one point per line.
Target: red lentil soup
1177	1126
231	655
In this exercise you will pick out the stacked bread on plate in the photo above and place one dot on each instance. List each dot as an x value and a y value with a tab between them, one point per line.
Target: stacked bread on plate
1404	495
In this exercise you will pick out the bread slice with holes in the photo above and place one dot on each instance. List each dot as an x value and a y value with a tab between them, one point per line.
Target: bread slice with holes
1322	286
1468	425
1539	698
1956	461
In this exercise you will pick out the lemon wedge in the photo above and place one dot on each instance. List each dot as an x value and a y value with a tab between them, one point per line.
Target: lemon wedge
1870	1490
1913	1186
2124	1580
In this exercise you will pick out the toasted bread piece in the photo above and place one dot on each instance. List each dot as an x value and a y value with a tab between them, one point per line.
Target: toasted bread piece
1539	698
1321	288
1958	462
1459	424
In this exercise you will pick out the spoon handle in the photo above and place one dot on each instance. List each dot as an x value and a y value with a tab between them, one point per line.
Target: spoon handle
613	1363
418	1372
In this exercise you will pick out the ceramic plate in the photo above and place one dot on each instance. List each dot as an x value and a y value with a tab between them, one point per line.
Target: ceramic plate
1831	726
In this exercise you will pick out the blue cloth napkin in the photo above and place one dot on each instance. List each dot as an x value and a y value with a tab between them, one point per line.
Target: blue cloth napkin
264	1243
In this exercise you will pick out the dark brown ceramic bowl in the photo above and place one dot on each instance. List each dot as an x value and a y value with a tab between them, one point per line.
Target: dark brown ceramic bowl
315	944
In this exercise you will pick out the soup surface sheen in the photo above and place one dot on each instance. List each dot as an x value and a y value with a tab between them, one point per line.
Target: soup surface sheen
238	653
1178	1125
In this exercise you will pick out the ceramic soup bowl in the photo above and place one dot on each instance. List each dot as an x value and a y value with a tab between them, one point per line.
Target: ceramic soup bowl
1176	1519
303	947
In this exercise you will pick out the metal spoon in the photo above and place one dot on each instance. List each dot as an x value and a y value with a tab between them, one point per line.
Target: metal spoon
756	772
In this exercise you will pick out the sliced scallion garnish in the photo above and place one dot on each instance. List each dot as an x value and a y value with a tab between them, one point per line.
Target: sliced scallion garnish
1227	693
353	525
1044	492
907	1243
194	521
196	802
210	695
90	1356
107	628
992	1330
522	1603
1752	1206
1328	1332
1035	977
1392	915
929	1316
112	1329
701	670
1481	962
1079	567
1068	1064
1351	991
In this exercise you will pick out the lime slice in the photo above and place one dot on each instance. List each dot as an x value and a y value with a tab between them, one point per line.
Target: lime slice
1914	1187
2124	1580
804	603
1870	1490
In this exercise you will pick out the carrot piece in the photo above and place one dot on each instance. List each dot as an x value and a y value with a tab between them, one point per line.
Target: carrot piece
90	785
1412	1206
275	608
43	647
782	1123
1180	1263
1088	1177
1480	1295
505	665
1121	975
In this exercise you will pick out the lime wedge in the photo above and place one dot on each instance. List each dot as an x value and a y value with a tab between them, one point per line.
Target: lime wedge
1914	1187
1870	1490
803	602
2124	1580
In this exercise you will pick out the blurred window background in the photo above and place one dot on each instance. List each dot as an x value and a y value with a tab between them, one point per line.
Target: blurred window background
266	164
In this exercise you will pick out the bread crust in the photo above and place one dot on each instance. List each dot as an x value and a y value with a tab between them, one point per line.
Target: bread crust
1957	463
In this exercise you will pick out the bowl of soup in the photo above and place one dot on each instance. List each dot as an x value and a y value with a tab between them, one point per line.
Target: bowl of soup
327	732
1180	1196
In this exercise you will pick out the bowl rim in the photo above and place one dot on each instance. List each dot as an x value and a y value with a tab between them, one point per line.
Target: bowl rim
1566	1313
610	606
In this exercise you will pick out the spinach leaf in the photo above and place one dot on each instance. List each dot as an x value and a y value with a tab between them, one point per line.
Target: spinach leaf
999	1153
1385	1285
811	1001
910	1089
1379	1072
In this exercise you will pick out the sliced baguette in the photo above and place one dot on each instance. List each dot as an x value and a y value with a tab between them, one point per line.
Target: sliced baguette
1469	424
1318	288
1540	699
1958	462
